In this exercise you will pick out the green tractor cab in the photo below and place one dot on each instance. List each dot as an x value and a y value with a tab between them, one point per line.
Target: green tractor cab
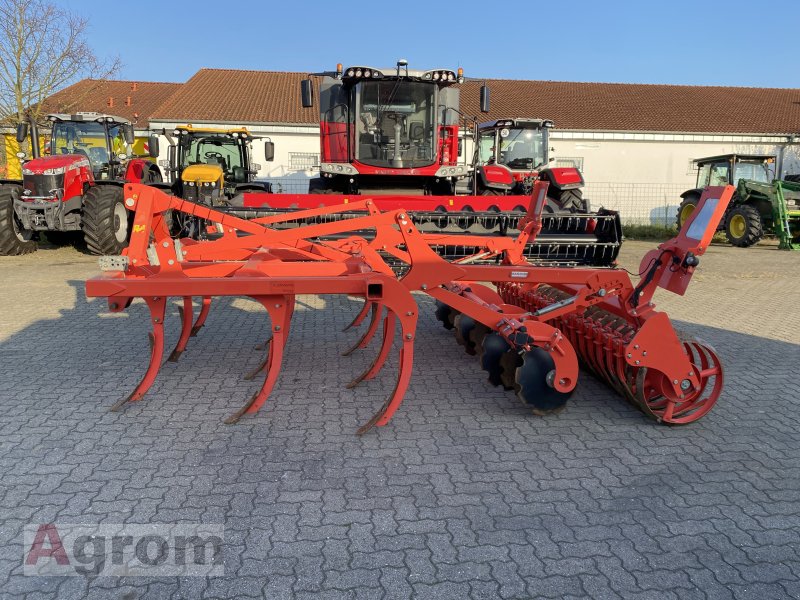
748	213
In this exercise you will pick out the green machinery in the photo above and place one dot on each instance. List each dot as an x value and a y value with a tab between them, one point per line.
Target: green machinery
776	205
762	205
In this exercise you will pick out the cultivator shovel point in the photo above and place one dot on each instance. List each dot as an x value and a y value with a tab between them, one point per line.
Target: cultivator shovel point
528	332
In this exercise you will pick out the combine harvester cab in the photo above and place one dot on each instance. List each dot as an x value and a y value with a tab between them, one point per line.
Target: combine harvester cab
529	335
393	135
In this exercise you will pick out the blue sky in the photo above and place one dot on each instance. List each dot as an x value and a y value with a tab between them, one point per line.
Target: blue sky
681	42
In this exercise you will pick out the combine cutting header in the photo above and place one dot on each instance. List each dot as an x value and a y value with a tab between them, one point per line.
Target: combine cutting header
529	334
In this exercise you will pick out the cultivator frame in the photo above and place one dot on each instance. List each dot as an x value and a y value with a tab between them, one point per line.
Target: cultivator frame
272	266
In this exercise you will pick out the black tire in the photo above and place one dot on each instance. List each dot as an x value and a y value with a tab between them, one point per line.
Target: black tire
106	221
566	200
491	192
13	239
686	208
743	226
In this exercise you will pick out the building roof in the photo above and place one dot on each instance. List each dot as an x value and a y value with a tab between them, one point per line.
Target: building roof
641	107
246	97
233	96
134	100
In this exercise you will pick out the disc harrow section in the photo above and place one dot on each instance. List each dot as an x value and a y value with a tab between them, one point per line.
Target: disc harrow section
527	332
600	339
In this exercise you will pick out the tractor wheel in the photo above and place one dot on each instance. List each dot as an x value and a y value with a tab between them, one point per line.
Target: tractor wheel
743	226
491	192
105	220
566	200
14	239
686	209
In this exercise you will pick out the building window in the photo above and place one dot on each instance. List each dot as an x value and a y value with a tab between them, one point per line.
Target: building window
575	162
303	161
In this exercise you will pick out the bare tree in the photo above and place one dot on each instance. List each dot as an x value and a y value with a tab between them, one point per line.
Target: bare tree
43	48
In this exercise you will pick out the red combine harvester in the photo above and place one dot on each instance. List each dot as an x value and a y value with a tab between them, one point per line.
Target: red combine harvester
77	187
529	329
387	132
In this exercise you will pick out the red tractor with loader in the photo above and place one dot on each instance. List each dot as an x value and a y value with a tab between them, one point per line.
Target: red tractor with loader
76	186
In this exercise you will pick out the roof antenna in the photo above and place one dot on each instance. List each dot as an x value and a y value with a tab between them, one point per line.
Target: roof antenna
400	64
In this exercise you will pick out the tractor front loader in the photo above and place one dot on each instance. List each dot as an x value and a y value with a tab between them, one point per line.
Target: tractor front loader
530	328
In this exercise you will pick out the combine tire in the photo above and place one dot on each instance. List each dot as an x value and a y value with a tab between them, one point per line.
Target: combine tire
566	201
13	239
743	226
685	210
105	220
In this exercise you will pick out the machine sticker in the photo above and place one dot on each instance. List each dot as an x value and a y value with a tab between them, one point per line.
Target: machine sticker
519	274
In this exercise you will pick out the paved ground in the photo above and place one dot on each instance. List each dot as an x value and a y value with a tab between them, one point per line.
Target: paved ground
464	495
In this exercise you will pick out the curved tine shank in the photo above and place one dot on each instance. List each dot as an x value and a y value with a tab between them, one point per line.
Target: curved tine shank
391	405
280	310
285	326
362	314
263	364
187	316
380	360
157	308
201	318
370	332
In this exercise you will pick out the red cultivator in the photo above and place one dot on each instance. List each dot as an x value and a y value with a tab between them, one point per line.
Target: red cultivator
529	333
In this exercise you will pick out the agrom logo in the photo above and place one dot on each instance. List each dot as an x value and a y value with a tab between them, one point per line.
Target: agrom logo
186	550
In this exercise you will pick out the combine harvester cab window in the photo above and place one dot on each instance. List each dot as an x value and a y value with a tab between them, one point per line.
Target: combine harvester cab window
395	124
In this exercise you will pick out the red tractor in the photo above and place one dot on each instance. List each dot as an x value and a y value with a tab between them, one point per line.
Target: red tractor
511	154
388	130
76	186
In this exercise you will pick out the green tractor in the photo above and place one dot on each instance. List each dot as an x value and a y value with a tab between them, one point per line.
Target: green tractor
751	211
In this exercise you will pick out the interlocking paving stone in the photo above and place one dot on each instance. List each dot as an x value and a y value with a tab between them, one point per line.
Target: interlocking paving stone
464	495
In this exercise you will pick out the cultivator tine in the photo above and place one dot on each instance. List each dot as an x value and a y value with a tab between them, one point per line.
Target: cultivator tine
187	316
365	339
157	306
359	318
201	318
263	364
386	345
285	325
280	310
388	409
